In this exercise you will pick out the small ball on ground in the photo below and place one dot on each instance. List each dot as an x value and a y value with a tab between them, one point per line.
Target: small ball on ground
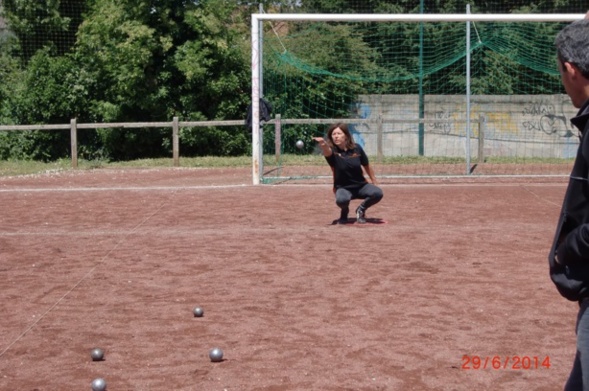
300	144
98	384
97	354
198	312
216	355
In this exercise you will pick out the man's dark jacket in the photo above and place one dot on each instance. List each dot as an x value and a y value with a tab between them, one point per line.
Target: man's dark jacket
571	240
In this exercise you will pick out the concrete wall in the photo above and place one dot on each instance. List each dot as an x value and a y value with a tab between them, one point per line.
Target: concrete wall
514	125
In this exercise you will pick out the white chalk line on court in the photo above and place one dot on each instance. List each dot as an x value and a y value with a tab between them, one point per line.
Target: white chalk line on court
543	199
82	279
150	231
136	188
279	186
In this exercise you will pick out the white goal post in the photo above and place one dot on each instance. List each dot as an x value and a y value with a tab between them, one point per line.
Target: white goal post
257	19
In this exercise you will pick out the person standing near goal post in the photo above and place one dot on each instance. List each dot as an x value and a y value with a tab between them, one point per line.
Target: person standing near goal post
569	254
346	159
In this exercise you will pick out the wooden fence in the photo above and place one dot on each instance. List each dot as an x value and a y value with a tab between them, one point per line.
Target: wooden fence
175	124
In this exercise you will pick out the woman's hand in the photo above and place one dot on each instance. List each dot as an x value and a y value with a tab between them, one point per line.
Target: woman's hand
323	145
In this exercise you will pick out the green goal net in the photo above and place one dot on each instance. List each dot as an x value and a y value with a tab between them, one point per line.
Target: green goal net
424	98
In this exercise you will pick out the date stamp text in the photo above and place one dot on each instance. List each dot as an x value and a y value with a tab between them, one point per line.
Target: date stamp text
516	363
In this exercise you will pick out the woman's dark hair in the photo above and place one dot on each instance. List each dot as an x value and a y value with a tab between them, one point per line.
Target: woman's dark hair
350	144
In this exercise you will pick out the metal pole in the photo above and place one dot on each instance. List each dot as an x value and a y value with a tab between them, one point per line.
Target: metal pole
421	131
256	156
467	93
261	65
424	18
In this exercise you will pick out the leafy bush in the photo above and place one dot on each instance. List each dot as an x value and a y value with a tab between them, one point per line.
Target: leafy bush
213	141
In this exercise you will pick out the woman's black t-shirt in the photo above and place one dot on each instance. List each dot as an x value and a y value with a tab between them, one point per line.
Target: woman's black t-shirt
347	166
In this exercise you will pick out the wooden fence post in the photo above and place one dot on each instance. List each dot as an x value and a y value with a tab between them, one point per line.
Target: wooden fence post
175	142
74	141
277	137
379	137
482	121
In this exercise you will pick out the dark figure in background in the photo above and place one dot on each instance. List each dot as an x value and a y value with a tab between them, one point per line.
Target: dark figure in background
265	111
346	160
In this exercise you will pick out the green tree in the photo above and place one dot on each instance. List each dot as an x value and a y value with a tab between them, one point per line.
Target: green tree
44	23
132	61
161	59
49	90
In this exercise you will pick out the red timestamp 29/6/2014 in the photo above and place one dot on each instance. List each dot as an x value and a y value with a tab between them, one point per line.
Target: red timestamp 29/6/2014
514	362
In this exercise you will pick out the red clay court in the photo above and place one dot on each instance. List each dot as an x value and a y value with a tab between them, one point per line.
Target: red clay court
451	273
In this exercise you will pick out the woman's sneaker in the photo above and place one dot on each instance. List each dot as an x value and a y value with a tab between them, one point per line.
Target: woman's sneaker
361	215
343	216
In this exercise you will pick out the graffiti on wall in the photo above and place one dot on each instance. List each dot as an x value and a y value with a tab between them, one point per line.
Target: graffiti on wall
363	111
441	127
547	118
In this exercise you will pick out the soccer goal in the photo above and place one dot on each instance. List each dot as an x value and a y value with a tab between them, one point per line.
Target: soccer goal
424	94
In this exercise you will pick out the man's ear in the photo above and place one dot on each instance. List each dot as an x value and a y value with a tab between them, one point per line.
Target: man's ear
571	69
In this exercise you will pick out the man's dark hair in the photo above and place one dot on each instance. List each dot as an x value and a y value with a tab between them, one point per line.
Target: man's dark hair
572	45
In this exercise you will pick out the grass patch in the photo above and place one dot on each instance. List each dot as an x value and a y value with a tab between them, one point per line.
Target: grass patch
27	167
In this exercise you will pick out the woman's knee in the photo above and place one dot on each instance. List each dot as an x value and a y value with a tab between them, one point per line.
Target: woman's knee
342	201
342	197
377	194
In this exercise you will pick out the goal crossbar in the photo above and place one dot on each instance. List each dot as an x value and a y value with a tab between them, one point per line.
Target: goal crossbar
419	17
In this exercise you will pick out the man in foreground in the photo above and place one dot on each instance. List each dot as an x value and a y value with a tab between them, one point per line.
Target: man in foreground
569	255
